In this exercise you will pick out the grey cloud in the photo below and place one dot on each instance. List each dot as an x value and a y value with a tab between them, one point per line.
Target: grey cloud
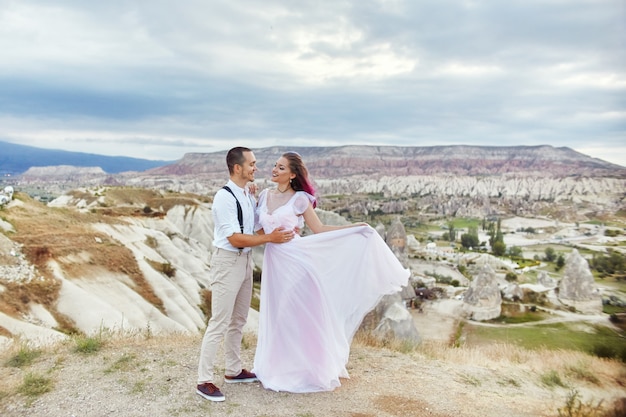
403	72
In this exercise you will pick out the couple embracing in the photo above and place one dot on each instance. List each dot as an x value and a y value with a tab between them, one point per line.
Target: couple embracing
315	290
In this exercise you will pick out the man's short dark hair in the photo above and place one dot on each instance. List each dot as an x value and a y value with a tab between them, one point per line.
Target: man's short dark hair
235	157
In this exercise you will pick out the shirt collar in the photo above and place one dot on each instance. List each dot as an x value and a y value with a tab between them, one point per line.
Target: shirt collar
234	186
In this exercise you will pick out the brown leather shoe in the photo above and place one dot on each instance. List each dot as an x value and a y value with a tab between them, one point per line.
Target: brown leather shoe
244	376
210	392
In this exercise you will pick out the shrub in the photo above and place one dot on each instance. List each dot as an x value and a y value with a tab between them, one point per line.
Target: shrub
165	268
510	276
604	351
552	379
151	242
25	356
88	345
550	254
35	385
574	407
168	269
515	251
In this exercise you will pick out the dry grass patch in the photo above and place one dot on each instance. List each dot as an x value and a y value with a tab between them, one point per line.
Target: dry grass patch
132	202
87	196
570	366
23	357
116	196
140	197
368	338
16	296
5	333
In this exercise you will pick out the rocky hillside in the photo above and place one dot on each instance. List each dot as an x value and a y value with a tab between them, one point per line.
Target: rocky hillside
113	263
347	161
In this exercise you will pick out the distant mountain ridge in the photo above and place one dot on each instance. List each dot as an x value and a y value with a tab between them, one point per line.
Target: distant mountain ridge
16	159
353	160
333	162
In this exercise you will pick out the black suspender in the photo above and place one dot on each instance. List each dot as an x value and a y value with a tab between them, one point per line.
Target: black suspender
239	211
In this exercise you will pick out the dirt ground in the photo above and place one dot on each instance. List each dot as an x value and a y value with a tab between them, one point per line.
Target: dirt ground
147	375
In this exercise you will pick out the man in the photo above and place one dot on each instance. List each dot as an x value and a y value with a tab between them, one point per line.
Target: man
231	273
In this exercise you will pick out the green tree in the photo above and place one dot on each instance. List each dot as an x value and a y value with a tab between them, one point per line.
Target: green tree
470	239
498	248
451	232
515	251
496	240
609	264
510	276
560	261
550	254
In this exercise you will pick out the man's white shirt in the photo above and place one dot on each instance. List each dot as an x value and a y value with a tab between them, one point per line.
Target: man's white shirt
225	215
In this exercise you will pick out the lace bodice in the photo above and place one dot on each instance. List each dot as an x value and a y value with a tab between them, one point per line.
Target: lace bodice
289	215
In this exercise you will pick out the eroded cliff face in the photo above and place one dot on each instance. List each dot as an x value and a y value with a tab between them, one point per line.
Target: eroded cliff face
151	278
577	190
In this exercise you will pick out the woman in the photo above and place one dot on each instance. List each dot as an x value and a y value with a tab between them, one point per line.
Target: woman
315	290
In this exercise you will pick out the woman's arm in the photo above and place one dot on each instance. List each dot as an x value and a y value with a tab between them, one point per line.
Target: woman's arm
316	225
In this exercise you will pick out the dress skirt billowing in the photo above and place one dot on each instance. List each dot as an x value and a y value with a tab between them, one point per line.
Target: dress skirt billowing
315	291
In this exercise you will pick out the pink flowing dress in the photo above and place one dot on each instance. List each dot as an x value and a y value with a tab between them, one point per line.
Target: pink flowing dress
315	291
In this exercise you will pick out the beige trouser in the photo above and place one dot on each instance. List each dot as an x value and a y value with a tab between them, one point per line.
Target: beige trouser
231	287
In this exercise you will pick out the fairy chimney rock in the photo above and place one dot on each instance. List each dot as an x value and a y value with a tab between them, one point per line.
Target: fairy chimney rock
391	319
577	288
396	240
483	300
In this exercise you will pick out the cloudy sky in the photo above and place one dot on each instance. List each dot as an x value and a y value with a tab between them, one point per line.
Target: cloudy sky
156	79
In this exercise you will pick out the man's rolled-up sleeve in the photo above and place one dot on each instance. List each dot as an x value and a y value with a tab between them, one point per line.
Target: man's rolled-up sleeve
225	214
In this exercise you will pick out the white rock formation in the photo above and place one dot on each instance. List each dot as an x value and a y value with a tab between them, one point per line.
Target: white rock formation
483	300
577	288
